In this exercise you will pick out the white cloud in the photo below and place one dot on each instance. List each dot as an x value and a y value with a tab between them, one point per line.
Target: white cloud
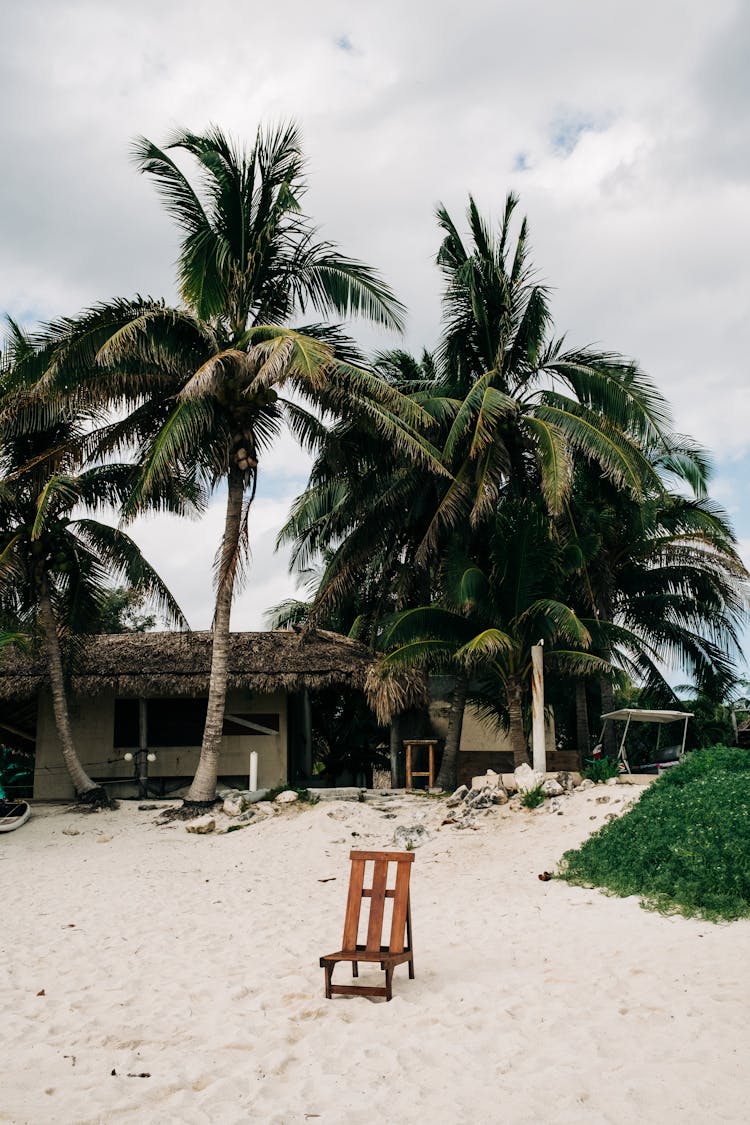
630	122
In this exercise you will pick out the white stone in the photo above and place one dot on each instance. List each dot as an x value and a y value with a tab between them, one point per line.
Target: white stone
552	788
410	836
288	797
527	778
233	806
612	781
202	825
457	797
482	780
587	783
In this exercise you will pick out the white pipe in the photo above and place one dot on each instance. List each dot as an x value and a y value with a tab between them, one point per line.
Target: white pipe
253	779
537	708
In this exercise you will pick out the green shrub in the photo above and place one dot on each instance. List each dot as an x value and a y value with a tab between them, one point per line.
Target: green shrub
533	798
685	847
599	769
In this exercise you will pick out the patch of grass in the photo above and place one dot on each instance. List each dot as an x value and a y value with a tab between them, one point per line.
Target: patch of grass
685	847
600	769
533	798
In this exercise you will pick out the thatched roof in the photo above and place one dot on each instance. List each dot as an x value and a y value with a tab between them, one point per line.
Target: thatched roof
170	664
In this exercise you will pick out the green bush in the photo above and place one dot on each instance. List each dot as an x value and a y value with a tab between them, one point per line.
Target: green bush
685	847
599	769
533	798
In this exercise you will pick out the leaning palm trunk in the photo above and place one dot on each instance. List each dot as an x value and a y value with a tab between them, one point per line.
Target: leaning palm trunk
203	788
85	788
515	715
448	767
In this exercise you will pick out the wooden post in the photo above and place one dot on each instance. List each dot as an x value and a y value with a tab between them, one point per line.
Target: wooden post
431	778
408	766
142	748
537	708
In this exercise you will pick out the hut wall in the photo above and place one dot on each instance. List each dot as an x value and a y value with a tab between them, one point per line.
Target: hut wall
93	722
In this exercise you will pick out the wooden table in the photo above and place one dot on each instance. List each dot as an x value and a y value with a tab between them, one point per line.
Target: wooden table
430	743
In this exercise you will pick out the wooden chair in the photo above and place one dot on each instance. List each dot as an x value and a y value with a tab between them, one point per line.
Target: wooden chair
399	947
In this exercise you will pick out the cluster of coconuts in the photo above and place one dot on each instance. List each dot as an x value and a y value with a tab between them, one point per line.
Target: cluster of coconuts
241	442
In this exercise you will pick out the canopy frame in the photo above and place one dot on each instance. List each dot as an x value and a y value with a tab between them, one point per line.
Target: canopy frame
633	714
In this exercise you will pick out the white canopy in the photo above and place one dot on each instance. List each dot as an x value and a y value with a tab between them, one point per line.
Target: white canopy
637	716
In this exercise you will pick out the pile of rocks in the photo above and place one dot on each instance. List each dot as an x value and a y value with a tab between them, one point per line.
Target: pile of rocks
489	790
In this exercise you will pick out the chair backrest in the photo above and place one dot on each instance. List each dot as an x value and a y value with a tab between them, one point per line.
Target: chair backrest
377	895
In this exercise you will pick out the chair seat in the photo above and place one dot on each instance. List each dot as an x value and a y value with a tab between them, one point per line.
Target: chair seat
362	954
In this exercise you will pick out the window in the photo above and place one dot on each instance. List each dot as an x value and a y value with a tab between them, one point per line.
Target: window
180	722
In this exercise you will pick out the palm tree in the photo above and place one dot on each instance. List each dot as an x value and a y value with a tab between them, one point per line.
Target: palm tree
202	382
664	571
495	602
524	403
55	565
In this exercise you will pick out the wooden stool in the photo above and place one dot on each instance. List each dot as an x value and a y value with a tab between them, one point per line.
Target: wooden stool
410	773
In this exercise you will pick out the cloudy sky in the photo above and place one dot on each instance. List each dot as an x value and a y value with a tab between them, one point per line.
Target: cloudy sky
622	126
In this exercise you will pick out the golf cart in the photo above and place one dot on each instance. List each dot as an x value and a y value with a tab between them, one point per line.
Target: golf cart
663	758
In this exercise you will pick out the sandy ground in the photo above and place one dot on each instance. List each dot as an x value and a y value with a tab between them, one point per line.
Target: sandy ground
149	975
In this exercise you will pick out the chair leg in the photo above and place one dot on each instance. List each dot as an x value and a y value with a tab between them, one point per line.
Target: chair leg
411	968
388	982
329	974
355	969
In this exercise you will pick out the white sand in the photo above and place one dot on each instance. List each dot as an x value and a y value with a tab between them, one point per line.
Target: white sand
194	960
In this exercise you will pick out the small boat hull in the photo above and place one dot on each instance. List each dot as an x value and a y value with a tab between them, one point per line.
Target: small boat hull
13	814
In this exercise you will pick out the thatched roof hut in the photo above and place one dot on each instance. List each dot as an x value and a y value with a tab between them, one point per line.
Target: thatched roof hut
177	664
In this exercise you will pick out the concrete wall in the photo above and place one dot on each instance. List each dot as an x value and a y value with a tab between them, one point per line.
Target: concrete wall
93	730
478	734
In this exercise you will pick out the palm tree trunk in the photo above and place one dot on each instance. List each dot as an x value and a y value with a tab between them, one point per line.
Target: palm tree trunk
446	778
82	783
515	713
203	788
608	704
583	732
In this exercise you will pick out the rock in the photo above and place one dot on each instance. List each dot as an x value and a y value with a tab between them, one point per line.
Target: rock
457	797
202	825
499	796
612	781
338	793
411	836
552	788
587	783
288	797
234	805
602	800
246	816
527	778
252	796
104	839
569	780
479	798
482	780
70	832
553	806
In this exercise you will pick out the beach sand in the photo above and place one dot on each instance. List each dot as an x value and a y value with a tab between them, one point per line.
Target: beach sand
151	975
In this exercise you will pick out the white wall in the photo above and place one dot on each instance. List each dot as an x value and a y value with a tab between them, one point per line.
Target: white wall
92	720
